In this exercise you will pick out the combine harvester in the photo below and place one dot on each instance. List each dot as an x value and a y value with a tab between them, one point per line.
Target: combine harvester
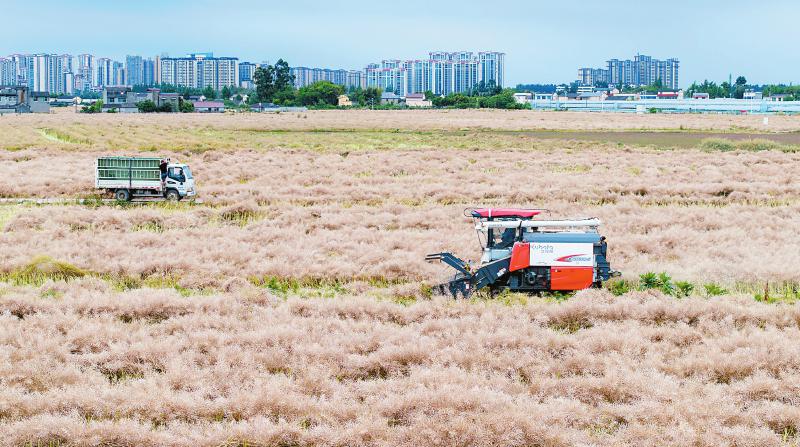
522	254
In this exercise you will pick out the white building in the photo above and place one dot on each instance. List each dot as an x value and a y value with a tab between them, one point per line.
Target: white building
8	72
118	76
38	73
442	73
50	73
200	71
103	74
134	70
304	76
247	72
22	62
389	77
85	75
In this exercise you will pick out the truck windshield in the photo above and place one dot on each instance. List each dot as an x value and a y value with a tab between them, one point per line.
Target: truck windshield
188	172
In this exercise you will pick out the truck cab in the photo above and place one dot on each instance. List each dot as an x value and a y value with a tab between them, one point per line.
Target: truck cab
179	181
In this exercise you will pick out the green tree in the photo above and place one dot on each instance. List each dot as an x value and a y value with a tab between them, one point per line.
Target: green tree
365	97
741	80
209	92
272	79
724	91
372	96
503	100
185	106
320	93
167	107
147	106
226	92
286	97
97	107
486	88
283	75
710	87
265	86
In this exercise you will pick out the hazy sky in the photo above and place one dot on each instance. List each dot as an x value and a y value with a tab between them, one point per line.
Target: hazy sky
544	41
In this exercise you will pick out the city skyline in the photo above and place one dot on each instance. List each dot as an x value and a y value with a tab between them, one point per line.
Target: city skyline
60	73
544	42
641	70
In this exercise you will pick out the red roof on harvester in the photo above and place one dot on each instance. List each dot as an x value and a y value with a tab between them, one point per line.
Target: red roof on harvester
504	212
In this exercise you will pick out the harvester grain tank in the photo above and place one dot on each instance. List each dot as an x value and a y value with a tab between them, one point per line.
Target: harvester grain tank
525	254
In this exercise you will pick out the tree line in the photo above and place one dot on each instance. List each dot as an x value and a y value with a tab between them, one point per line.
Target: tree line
722	90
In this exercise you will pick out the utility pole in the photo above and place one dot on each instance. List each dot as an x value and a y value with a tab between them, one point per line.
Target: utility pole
730	85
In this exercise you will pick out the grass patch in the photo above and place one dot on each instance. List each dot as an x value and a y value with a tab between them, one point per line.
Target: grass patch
570	325
578	169
42	269
7	212
316	287
752	145
760	144
240	215
619	287
117	376
122	283
62	137
717	144
153	226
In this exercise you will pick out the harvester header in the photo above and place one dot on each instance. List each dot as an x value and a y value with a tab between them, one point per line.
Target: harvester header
524	254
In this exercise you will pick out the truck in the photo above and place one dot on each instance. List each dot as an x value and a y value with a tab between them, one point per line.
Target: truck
140	177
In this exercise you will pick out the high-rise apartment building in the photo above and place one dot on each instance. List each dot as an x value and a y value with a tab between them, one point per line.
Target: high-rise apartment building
148	72
247	71
388	76
21	61
8	71
62	74
592	76
304	76
200	70
492	66
134	69
644	70
52	73
85	73
38	72
104	72
118	74
442	73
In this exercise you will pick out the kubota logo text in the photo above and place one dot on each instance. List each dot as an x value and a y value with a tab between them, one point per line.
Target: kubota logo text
582	257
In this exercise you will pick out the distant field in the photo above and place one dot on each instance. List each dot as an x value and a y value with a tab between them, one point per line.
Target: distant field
292	306
446	119
387	130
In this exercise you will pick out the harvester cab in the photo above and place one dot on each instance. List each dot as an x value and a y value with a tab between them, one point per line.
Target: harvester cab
525	254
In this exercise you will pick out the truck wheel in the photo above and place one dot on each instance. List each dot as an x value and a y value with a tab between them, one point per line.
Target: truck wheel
172	195
123	195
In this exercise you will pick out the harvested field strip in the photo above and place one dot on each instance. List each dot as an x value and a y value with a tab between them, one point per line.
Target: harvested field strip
154	368
200	140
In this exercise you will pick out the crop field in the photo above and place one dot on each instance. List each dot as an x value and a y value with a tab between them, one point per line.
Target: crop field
291	304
